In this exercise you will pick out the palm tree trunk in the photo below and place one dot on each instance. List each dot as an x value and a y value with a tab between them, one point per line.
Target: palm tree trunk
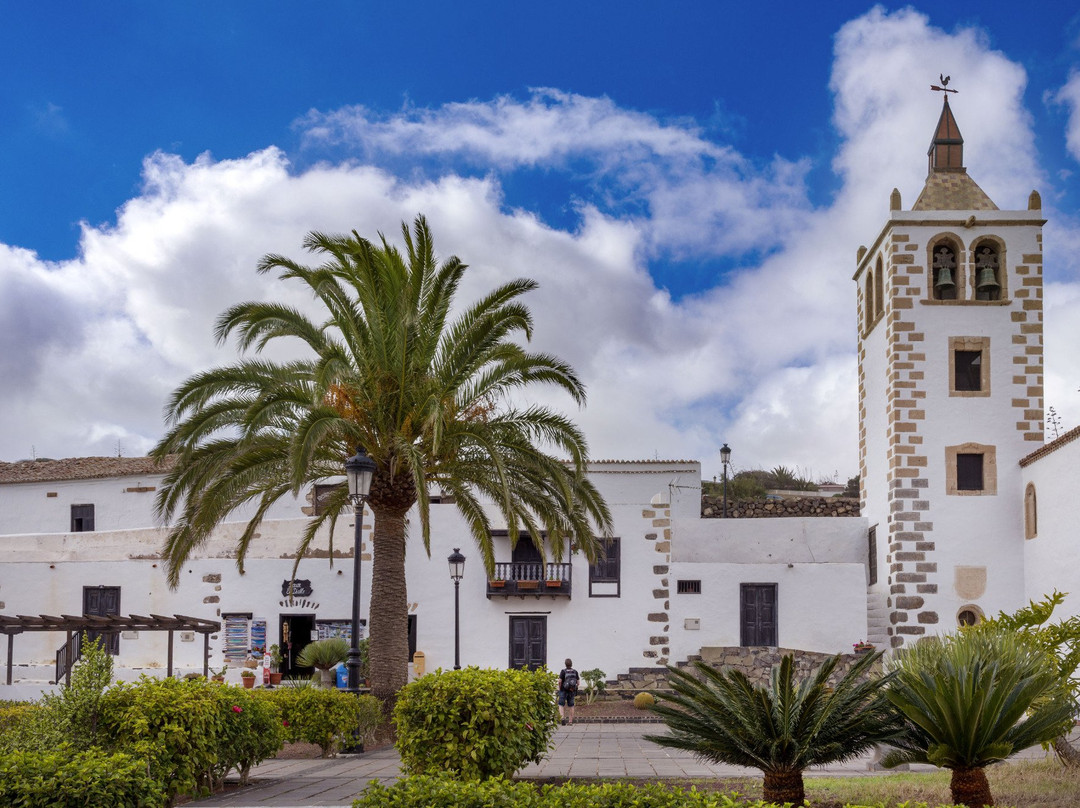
389	643
784	786
971	788
1068	754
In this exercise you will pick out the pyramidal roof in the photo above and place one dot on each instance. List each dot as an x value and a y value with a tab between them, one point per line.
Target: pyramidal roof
948	186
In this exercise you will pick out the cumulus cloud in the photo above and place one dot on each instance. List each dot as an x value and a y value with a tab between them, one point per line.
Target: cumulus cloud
1069	96
762	357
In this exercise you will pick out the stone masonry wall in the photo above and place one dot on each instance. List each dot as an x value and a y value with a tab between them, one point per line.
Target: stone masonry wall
713	507
756	662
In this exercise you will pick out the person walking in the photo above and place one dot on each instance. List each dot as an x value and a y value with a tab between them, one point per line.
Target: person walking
568	687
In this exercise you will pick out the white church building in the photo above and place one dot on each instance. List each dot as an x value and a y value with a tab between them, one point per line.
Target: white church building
965	511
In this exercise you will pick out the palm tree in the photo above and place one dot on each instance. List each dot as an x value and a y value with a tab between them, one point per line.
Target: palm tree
389	369
782	729
973	699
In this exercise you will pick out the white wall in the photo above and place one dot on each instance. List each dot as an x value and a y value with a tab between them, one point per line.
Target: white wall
1052	558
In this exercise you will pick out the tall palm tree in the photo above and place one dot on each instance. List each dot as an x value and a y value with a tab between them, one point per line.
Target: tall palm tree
973	699
782	729
389	369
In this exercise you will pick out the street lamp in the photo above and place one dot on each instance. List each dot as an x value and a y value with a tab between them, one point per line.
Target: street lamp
725	458
359	469
457	568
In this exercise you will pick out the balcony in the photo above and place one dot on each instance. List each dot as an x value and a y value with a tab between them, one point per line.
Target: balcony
521	578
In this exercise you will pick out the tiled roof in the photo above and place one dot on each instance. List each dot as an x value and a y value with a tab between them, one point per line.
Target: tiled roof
952	190
1052	446
80	468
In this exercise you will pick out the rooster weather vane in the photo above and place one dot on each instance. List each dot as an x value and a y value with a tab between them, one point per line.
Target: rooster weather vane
944	88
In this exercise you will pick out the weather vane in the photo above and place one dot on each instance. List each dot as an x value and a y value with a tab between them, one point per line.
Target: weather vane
944	88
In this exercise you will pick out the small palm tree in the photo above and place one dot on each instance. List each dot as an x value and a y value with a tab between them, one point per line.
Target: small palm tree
974	699
324	656
781	729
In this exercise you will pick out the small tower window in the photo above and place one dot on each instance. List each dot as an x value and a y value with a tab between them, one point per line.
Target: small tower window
968	371
868	302
969	366
987	272
969	472
879	286
943	285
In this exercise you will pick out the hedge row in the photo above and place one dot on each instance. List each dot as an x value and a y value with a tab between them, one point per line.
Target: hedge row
446	792
157	739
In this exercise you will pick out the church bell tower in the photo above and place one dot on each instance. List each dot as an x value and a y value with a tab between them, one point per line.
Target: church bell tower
950	354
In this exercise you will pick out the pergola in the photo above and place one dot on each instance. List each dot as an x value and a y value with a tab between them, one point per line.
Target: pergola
74	626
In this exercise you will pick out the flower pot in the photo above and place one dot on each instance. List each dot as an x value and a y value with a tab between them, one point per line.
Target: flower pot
496	584
528	585
553	584
249	681
275	677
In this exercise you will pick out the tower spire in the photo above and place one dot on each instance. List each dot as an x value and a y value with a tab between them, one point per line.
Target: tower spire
946	152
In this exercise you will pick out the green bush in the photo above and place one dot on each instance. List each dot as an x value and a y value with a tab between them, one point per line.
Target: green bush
17	724
325	717
446	792
594	684
475	723
252	731
62	780
173	724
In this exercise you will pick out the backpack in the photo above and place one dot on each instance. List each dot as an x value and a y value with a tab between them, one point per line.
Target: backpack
570	680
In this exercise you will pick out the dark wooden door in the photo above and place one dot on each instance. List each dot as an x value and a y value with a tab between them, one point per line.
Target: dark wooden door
103	600
757	611
528	642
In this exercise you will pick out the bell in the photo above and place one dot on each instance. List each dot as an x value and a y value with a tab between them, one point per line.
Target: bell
944	280
987	281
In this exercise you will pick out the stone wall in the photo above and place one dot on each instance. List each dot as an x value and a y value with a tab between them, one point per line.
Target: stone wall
713	507
755	661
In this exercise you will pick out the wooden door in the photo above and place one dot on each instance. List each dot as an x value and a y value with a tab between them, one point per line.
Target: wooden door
757	609
528	642
103	600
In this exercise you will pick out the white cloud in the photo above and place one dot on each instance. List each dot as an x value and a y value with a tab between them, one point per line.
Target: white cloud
763	359
1069	96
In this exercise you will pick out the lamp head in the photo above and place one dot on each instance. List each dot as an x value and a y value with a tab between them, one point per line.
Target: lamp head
457	564
359	469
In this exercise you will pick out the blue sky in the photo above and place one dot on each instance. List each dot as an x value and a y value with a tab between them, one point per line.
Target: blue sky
668	167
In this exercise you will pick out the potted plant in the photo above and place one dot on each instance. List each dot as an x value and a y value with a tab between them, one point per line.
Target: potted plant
218	675
248	677
863	647
497	583
275	665
528	584
553	583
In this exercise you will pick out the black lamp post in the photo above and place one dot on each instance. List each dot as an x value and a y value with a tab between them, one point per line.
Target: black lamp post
359	469
725	458
457	568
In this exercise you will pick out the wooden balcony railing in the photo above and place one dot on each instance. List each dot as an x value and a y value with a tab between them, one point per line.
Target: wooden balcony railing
530	578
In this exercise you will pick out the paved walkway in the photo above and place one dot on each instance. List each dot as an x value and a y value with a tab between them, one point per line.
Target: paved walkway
584	750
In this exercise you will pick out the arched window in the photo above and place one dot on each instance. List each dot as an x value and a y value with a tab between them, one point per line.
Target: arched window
879	287
944	272
1031	514
868	301
987	271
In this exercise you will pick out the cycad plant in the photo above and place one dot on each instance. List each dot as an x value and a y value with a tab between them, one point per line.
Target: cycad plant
974	699
781	729
324	656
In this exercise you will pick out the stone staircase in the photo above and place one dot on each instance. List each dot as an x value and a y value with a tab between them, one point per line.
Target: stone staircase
877	620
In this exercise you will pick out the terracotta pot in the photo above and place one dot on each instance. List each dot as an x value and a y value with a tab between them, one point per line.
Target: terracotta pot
275	677
553	584
249	681
528	584
497	584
